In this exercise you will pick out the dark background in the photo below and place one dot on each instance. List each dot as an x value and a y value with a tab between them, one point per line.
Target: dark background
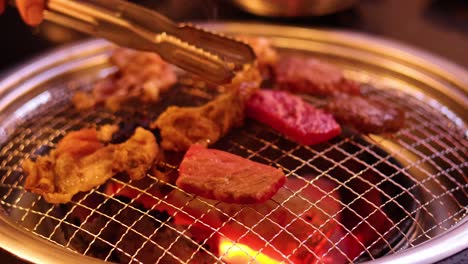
437	26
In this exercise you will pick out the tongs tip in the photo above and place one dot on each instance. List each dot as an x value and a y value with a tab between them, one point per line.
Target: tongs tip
229	48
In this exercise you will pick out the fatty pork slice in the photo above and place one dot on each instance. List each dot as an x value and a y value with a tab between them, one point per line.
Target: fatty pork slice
312	76
293	117
222	176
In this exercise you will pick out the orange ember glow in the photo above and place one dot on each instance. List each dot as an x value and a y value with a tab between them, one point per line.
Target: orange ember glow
237	253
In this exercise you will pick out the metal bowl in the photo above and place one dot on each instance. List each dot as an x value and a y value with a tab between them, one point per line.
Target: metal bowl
294	8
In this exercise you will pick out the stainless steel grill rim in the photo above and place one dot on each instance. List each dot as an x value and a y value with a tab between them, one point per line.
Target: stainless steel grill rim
88	54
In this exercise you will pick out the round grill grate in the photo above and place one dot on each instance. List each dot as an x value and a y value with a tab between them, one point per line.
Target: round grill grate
414	180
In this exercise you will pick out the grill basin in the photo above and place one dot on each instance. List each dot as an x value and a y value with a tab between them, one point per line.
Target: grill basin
419	174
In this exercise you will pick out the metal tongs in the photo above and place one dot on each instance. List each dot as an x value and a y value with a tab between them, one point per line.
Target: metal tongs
209	55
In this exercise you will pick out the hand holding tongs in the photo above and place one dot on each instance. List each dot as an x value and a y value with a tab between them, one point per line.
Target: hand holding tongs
211	56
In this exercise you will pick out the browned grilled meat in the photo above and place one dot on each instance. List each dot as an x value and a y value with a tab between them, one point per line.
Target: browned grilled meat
312	76
81	162
182	127
366	115
142	75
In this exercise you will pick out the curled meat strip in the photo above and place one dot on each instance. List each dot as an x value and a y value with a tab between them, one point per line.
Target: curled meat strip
81	162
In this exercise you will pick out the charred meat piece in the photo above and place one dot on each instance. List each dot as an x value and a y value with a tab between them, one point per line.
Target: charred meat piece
311	76
222	176
141	75
366	115
81	162
293	117
297	221
180	127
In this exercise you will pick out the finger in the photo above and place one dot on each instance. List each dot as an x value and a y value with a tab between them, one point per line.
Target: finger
2	6
31	11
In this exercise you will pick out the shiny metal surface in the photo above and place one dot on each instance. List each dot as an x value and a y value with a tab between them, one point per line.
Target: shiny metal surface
294	8
431	151
434	250
206	54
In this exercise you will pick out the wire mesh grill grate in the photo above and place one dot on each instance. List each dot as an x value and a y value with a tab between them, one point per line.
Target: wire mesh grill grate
397	179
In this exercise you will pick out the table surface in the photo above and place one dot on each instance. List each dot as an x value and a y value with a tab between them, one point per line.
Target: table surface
437	26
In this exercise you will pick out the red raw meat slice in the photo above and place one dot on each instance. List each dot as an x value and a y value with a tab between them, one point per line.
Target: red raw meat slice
312	76
222	176
293	117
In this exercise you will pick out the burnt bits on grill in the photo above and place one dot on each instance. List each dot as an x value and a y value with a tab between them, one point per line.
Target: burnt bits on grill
366	115
130	123
312	76
222	176
81	162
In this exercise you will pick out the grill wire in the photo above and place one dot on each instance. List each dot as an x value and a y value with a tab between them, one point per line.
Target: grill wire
428	166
